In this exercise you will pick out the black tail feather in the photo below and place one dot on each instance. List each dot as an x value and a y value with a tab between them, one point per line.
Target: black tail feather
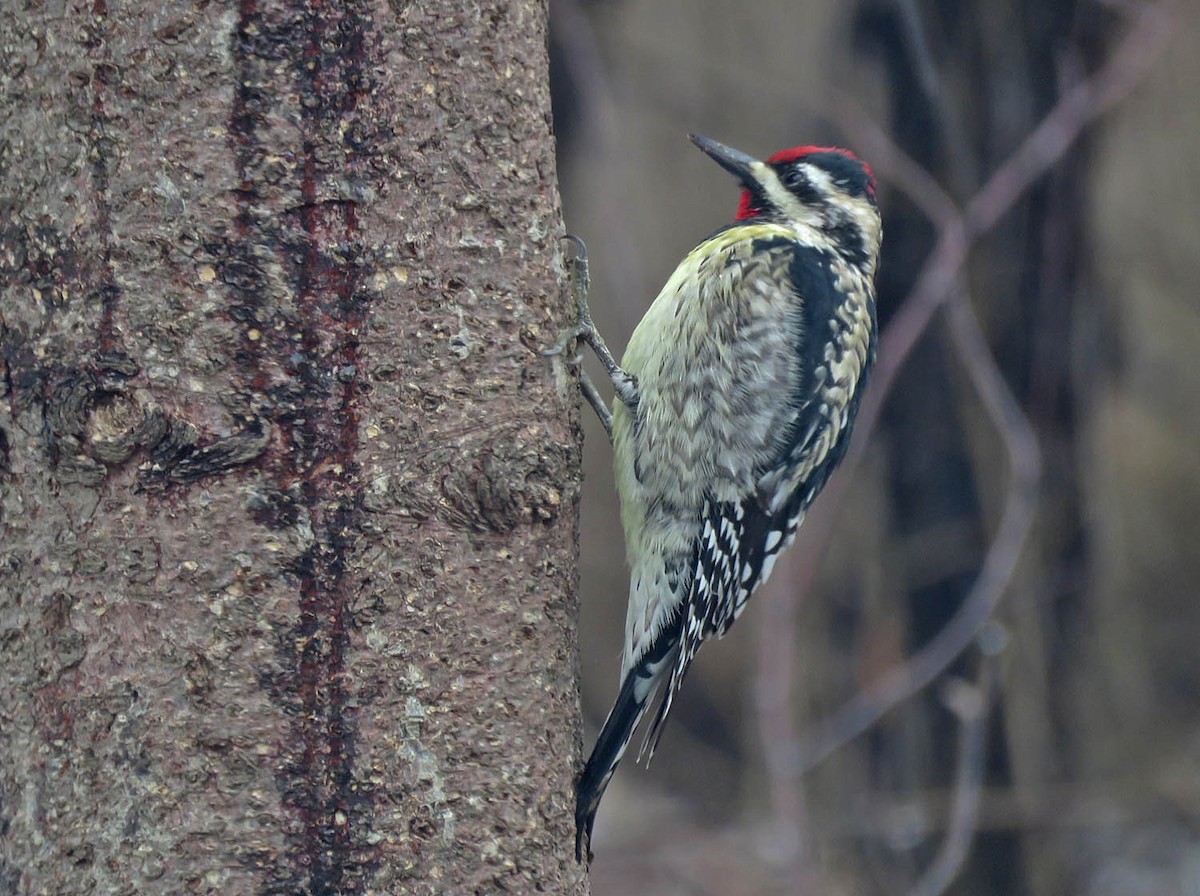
610	746
654	735
631	704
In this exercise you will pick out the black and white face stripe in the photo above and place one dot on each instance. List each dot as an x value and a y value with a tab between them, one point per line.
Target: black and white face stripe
815	185
827	191
847	175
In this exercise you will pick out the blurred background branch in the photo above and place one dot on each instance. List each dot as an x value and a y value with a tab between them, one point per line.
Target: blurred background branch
970	703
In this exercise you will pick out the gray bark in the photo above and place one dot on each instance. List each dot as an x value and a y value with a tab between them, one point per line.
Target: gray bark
287	499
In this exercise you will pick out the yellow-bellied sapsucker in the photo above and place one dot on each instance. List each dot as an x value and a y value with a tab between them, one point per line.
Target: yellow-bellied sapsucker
736	397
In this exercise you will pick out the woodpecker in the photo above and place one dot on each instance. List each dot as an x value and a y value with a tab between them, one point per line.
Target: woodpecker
735	401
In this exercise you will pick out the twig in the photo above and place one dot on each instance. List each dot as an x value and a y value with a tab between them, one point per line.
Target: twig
971	707
1080	106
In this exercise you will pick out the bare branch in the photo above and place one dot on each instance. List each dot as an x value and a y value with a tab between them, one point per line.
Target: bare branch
971	704
1080	106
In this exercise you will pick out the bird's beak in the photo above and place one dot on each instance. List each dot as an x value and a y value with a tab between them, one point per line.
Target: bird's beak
736	163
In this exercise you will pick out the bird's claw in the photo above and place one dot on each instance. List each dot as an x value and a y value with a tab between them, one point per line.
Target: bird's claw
625	384
566	339
583	328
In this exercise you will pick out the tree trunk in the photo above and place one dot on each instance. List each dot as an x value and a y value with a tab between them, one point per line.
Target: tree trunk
287	498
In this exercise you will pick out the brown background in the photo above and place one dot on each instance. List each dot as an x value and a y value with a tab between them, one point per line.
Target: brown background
1085	291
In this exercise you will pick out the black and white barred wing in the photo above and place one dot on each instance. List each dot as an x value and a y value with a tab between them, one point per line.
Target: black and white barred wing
736	549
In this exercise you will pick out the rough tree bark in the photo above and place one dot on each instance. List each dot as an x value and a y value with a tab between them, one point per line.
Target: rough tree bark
287	499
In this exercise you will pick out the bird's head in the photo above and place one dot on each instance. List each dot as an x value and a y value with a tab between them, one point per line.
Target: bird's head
811	188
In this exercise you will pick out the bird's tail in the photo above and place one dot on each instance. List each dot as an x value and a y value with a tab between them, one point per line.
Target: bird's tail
638	689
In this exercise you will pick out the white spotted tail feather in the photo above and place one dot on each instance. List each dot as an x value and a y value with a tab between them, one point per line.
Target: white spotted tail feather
740	387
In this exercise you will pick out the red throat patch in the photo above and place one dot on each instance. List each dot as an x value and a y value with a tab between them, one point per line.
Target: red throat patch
746	208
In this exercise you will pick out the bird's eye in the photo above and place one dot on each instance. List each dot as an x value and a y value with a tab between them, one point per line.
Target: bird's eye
793	178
